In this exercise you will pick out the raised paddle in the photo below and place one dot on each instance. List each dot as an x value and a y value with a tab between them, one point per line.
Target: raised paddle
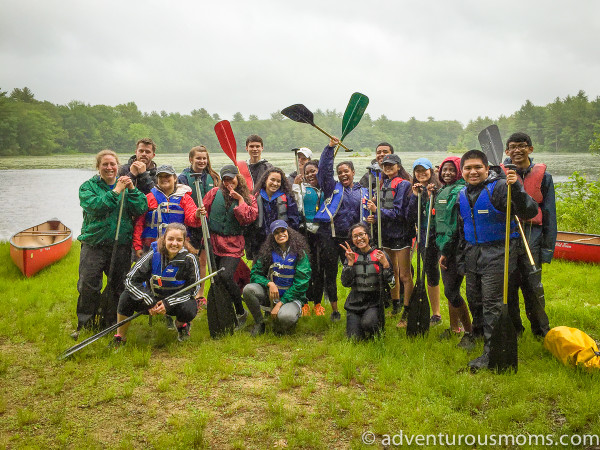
503	342
103	333
491	144
354	112
300	113
227	140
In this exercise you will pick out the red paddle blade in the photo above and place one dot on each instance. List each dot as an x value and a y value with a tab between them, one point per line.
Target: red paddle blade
226	139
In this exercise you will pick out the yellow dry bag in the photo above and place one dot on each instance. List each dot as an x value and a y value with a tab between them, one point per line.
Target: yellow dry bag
573	347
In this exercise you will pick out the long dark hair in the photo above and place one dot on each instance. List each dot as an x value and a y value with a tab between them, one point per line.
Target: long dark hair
242	189
296	244
285	184
432	179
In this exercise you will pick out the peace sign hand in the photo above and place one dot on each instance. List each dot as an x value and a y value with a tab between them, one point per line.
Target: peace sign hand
350	255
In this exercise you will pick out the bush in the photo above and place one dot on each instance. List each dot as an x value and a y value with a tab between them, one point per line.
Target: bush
578	205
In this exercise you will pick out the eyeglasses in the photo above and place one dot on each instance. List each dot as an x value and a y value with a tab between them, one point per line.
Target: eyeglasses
520	146
359	235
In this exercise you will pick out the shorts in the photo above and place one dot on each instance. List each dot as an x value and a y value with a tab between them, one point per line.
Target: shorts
395	243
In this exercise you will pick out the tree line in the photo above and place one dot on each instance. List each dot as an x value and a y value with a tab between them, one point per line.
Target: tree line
32	127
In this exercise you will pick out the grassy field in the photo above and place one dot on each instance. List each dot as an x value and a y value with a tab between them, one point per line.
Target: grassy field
313	389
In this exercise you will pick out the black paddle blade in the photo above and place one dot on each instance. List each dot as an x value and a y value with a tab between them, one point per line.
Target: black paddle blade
491	144
503	344
219	311
299	113
417	322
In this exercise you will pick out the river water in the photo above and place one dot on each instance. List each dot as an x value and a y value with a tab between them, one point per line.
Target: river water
32	196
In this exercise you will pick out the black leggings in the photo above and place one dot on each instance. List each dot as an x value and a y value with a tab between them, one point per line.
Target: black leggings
363	326
226	279
330	254
183	312
317	278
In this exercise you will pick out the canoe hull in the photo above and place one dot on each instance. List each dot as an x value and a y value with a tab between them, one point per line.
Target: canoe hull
39	246
577	247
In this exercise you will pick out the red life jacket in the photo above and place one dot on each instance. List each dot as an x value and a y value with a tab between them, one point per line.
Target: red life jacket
533	186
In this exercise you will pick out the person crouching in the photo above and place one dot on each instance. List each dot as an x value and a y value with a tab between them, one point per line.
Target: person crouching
363	273
166	269
279	279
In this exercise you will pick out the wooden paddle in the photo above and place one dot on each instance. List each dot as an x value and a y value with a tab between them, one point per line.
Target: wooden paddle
503	342
227	140
354	112
300	113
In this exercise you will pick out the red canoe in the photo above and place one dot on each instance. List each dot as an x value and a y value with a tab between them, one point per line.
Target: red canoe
577	247
39	246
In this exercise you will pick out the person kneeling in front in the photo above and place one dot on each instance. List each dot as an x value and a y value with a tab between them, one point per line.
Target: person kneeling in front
279	279
165	270
365	270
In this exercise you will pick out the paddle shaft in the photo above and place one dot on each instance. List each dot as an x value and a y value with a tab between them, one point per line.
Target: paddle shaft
106	331
329	136
506	246
111	269
527	249
378	187
205	231
370	195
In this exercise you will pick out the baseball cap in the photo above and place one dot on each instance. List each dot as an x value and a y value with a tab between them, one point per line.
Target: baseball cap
165	169
229	170
278	224
423	162
391	159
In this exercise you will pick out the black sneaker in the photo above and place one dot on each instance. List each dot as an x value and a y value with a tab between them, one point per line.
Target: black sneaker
467	342
335	316
259	328
447	334
183	332
481	362
170	323
241	318
117	342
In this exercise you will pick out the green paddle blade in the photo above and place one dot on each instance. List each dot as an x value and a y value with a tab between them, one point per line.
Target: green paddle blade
354	111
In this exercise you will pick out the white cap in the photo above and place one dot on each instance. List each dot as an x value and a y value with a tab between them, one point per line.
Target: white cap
305	151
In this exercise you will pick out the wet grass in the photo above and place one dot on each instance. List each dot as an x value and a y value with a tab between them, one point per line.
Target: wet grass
313	389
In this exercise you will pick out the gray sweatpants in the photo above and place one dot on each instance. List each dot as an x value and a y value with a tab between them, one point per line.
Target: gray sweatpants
256	297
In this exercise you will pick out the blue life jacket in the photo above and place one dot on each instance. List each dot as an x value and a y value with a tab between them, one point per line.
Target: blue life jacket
163	282
282	271
168	211
313	199
281	204
484	223
330	206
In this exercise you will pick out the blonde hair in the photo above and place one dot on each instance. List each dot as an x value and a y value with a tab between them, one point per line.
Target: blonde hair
102	153
209	169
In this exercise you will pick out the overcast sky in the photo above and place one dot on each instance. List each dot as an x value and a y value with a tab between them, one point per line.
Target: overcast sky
446	59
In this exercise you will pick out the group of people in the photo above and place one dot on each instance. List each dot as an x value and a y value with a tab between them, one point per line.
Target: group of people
297	228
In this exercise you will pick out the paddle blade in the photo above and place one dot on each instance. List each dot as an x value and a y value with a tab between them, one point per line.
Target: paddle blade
491	144
354	112
226	139
299	113
503	344
417	322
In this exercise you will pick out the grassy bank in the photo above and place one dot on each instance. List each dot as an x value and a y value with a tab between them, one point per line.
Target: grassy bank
311	390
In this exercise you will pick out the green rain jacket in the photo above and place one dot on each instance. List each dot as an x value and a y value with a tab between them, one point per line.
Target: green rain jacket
101	211
446	217
297	290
